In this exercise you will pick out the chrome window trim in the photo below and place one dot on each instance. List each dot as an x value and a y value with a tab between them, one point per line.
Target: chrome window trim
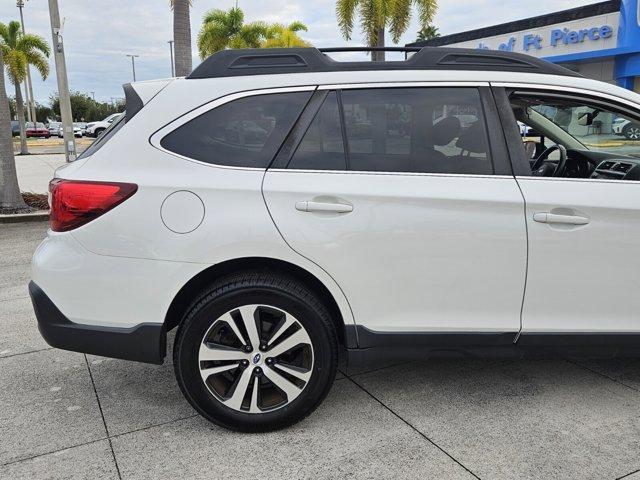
564	89
159	134
398	174
581	180
408	84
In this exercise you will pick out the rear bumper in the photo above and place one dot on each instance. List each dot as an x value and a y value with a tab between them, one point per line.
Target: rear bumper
145	342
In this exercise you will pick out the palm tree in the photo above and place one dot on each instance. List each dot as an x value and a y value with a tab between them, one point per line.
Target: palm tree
10	199
427	33
377	15
226	29
284	36
182	36
21	50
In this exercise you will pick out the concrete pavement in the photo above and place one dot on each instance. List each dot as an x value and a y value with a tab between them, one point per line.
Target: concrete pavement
35	171
69	415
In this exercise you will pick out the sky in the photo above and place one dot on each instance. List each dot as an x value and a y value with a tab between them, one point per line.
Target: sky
99	33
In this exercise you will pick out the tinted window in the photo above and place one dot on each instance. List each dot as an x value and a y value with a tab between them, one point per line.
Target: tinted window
430	130
321	147
244	133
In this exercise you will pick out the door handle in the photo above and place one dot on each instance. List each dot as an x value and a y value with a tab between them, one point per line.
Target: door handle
545	217
324	207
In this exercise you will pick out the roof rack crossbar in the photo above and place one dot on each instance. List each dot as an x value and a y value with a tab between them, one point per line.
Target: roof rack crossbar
369	49
235	63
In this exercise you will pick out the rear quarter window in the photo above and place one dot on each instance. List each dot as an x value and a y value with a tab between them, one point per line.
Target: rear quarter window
242	133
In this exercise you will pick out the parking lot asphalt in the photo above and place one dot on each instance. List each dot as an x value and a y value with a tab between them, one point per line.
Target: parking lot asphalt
69	415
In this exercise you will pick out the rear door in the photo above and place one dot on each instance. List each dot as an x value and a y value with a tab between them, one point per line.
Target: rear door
406	198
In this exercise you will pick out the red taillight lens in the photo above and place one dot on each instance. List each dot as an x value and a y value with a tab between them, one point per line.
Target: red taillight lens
75	203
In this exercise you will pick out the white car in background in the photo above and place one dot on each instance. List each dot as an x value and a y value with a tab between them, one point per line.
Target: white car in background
627	128
78	131
246	207
95	129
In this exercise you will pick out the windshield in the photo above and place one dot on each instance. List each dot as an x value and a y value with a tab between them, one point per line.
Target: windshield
582	126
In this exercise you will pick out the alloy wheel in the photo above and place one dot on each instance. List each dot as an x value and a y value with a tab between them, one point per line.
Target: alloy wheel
633	133
256	358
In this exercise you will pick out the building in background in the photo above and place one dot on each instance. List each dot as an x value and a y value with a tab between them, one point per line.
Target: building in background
600	41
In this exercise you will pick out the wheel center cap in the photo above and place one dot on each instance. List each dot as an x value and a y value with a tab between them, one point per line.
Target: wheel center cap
256	359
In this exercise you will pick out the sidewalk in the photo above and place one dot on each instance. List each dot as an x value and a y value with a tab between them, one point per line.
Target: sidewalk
35	171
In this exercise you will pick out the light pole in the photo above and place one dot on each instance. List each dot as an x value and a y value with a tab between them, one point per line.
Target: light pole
93	95
133	64
63	84
173	71
28	88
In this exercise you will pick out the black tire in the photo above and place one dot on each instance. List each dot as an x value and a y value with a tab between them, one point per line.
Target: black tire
98	132
249	288
632	132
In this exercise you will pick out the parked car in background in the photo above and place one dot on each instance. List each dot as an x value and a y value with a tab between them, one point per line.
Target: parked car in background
623	126
78	131
15	128
54	128
95	129
82	126
37	130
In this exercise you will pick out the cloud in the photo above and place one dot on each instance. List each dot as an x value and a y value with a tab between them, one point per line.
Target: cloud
99	33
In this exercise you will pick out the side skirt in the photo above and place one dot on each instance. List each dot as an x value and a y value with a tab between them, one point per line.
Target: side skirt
393	346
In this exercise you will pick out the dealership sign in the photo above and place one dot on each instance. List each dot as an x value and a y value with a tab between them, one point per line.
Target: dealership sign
599	32
556	37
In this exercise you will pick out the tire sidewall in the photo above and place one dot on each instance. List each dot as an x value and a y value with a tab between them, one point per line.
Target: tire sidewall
200	320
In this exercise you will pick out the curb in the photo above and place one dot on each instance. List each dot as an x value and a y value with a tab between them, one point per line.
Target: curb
40	216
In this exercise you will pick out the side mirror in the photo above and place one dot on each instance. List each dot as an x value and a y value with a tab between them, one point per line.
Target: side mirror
530	149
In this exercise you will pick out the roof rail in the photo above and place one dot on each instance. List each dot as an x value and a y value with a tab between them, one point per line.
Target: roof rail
233	63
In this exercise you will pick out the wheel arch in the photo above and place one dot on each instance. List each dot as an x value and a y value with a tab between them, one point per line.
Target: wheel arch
195	285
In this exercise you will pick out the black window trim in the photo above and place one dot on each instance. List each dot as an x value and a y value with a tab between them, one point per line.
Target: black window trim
498	151
509	126
293	139
503	92
157	136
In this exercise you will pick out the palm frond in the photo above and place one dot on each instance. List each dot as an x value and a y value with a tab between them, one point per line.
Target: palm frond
33	42
426	11
14	31
253	33
372	19
212	38
399	18
16	64
4	32
345	13
39	61
297	27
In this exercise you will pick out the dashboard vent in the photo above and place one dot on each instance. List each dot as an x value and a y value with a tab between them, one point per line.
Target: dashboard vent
622	167
606	165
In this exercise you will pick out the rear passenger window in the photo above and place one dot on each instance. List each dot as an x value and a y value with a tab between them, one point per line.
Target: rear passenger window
242	133
322	147
428	130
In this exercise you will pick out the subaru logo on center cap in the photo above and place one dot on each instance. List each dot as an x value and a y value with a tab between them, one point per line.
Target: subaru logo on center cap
256	359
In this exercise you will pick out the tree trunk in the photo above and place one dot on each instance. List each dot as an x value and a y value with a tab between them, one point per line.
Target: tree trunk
182	37
20	110
10	199
379	56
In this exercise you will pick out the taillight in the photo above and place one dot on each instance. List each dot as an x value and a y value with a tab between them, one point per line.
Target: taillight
75	203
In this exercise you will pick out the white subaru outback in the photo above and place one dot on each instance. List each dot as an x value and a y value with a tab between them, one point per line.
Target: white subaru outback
278	207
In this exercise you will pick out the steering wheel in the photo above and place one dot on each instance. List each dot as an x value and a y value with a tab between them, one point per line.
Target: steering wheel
542	169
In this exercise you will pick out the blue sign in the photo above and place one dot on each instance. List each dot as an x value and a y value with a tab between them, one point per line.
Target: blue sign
557	36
